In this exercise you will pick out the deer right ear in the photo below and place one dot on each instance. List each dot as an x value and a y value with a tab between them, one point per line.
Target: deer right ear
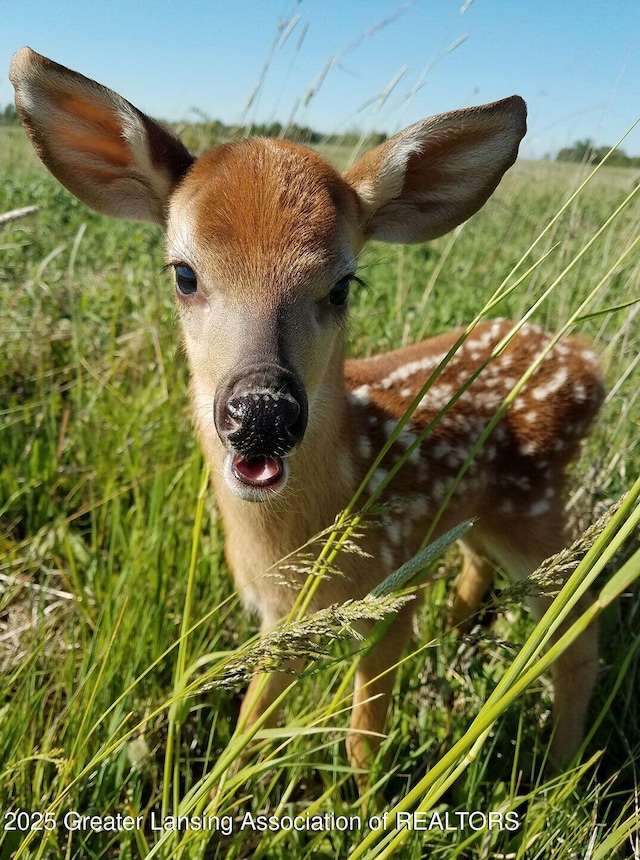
432	176
103	149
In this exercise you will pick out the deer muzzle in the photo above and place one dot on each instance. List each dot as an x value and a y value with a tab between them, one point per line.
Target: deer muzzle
260	415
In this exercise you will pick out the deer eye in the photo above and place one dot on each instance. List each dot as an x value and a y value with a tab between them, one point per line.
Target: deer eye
186	280
339	293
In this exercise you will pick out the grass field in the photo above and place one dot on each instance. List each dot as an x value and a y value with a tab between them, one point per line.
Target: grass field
121	642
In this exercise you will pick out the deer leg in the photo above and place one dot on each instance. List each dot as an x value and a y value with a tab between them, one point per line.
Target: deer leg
262	692
475	579
374	681
573	676
574	673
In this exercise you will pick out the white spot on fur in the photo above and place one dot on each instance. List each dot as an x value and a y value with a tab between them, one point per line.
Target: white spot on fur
365	448
481	341
400	374
538	508
464	423
506	360
558	379
438	489
395	533
457	457
389	426
439	449
579	392
494	381
500	434
404	437
495	330
446	423
552	385
463	485
531	330
407	440
419	508
386	554
361	395
437	397
376	479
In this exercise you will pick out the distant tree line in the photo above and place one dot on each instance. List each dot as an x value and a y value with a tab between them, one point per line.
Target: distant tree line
582	152
9	115
304	134
586	152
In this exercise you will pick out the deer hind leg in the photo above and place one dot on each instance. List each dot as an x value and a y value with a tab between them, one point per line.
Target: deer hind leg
374	682
574	673
475	579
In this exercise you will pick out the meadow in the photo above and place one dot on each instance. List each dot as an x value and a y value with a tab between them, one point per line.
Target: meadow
123	648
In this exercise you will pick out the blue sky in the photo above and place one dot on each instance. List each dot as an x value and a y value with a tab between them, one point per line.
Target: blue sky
577	64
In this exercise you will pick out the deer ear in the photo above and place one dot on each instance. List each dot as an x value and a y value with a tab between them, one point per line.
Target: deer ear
103	149
435	174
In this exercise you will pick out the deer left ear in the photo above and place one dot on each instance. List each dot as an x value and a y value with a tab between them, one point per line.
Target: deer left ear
103	149
432	176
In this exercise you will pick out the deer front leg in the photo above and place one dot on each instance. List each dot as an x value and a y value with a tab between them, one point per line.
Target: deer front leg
475	579
261	694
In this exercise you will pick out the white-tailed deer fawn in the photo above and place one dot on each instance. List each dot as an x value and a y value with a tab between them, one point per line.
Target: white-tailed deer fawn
263	237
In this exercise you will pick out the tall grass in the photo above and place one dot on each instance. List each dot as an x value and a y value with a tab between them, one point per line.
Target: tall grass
123	645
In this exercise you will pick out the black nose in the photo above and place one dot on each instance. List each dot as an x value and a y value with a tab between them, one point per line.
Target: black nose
262	412
266	424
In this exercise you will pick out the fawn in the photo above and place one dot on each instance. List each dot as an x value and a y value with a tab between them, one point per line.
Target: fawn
263	237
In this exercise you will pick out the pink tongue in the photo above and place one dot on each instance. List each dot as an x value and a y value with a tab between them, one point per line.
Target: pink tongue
258	470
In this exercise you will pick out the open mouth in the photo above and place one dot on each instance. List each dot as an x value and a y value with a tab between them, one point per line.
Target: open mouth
258	471
256	478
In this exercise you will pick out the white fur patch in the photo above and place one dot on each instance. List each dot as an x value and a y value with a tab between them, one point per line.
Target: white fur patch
361	395
376	479
365	448
386	554
556	382
402	373
538	508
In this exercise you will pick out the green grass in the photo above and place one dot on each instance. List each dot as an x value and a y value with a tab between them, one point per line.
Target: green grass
114	588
